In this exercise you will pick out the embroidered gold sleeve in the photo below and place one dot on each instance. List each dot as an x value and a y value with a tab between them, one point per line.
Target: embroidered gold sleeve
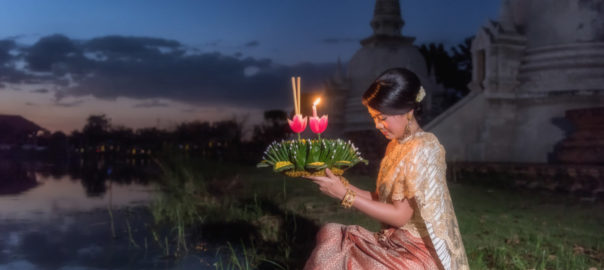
423	177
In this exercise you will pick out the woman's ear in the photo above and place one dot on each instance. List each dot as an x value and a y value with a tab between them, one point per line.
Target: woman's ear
409	114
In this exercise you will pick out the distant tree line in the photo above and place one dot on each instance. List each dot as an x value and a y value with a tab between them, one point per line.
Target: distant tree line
221	139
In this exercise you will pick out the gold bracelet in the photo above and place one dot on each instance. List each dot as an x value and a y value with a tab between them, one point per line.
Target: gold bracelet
348	199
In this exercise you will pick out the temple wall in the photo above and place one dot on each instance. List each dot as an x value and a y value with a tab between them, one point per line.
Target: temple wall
563	21
541	125
485	129
459	129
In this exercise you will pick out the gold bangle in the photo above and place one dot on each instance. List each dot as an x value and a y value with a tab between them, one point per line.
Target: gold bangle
348	199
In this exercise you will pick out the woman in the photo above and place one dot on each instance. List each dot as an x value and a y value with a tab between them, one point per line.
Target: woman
411	200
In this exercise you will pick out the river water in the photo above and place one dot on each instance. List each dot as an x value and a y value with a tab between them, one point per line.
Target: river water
87	217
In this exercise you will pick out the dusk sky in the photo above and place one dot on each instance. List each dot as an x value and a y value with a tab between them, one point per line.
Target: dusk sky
159	63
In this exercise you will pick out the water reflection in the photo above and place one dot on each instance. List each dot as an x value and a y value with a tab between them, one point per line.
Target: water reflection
57	216
55	196
78	241
34	190
15	177
93	174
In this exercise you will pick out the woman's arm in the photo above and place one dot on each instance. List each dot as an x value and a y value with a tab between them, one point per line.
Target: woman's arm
395	214
361	192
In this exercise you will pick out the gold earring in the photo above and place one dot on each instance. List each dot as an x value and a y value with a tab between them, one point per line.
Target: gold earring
407	125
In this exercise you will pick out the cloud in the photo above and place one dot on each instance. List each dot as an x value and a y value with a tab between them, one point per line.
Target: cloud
40	91
8	60
334	40
5	47
148	68
213	43
253	43
151	104
65	104
52	51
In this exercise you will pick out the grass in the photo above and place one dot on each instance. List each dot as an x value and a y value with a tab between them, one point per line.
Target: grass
269	221
501	228
516	229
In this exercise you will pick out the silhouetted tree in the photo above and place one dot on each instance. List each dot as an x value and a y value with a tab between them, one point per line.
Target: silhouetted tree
229	131
275	127
96	129
462	56
121	136
151	138
193	132
76	139
452	69
58	144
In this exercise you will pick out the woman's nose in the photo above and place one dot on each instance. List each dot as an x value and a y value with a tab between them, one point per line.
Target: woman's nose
378	124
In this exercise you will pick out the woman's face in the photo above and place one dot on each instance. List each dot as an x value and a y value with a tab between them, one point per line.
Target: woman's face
391	126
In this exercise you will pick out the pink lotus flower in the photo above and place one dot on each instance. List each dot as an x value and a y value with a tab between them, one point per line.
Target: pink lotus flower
318	125
298	124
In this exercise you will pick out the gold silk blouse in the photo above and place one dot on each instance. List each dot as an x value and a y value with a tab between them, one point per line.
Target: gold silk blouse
414	168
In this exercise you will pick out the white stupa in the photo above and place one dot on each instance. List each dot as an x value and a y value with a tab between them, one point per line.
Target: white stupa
385	48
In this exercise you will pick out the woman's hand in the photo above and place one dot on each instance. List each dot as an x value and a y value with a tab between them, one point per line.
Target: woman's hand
329	184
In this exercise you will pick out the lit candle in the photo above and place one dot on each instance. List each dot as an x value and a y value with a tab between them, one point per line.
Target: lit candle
317	125
314	107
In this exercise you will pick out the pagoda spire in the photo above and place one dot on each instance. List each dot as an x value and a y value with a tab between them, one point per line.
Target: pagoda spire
387	18
387	24
506	19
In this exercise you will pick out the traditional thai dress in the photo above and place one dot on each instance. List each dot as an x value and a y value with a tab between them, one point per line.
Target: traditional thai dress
413	168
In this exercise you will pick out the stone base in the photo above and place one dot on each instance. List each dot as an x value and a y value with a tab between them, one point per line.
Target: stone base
585	144
582	180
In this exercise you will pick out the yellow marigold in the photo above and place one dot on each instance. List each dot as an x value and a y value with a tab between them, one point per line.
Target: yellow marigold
292	173
337	171
282	164
297	173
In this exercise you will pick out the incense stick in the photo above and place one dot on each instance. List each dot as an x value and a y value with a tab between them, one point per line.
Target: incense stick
295	95
299	100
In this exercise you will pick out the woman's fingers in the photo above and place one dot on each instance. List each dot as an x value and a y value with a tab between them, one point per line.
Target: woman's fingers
329	173
310	177
318	178
320	182
325	183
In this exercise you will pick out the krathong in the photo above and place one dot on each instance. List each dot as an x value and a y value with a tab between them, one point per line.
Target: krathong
305	157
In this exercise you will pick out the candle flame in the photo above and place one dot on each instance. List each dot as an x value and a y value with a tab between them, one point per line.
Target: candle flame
317	101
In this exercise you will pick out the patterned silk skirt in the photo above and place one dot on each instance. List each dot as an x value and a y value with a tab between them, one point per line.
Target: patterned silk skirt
353	247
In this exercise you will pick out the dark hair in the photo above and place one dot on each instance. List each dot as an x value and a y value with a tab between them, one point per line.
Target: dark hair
394	92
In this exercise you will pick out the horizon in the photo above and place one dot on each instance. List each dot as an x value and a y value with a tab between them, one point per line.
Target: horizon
170	63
